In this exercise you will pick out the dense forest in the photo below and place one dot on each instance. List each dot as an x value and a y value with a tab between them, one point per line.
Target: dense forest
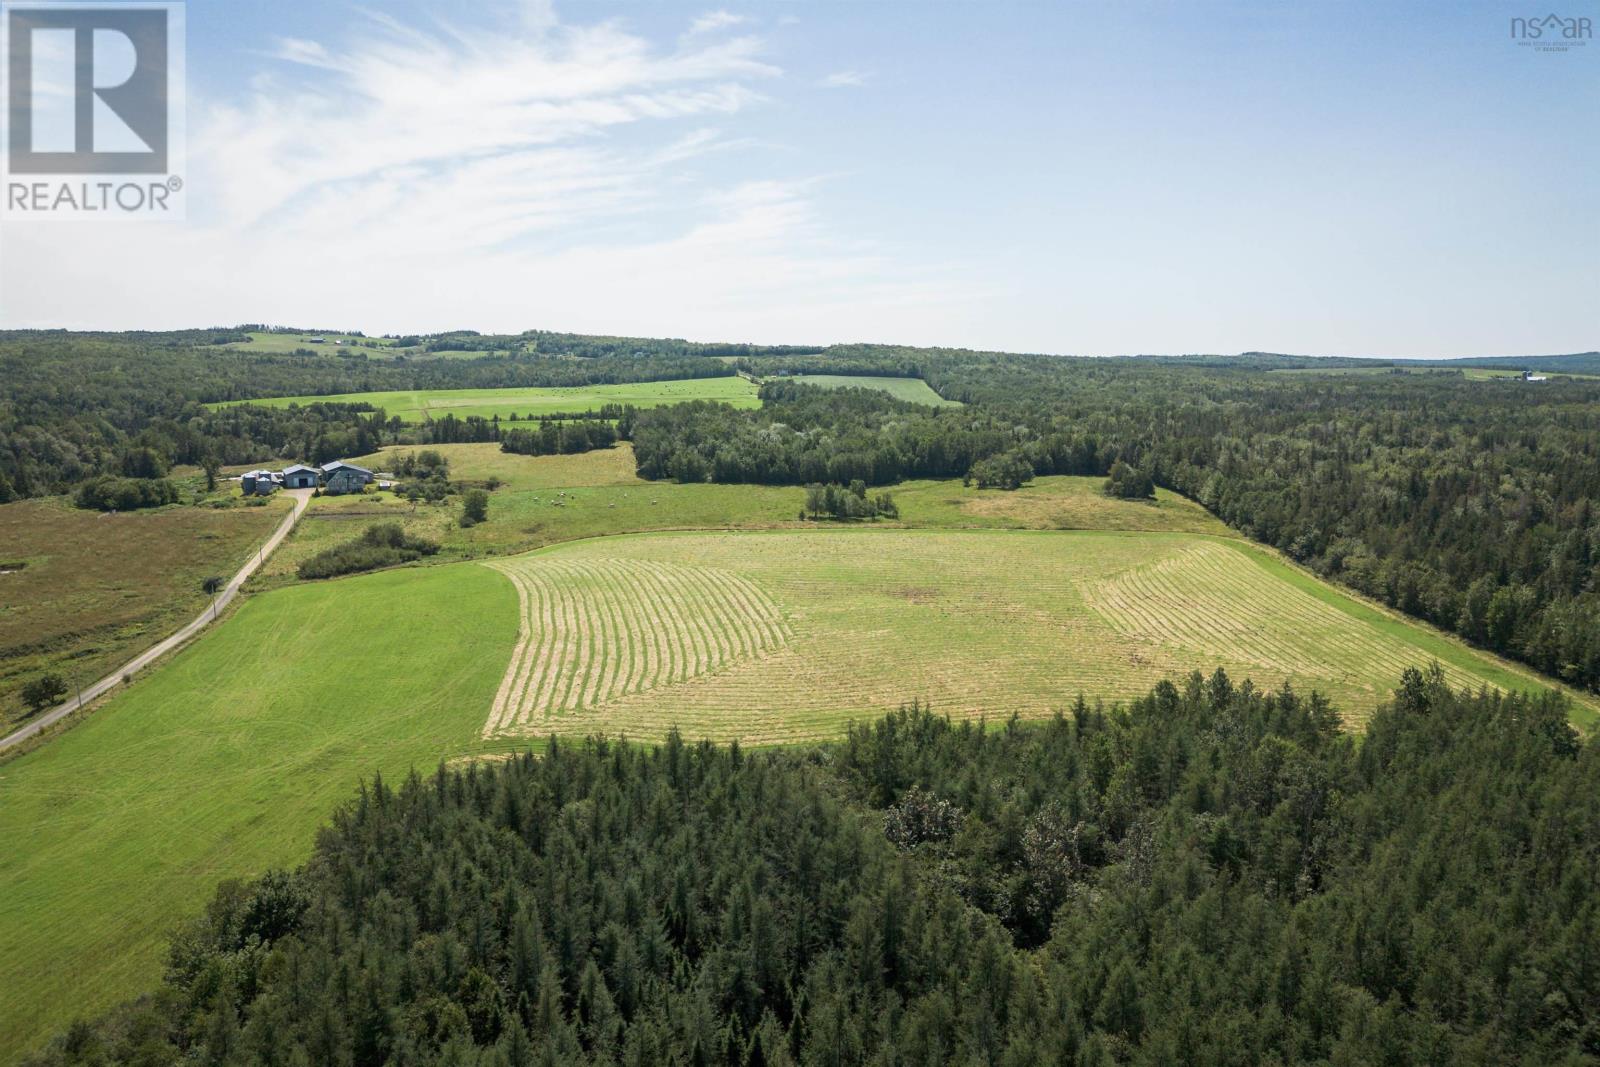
803	434
1212	875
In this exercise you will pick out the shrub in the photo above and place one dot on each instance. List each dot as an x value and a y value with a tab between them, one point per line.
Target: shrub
383	545
839	502
1129	483
109	493
44	691
1009	470
474	507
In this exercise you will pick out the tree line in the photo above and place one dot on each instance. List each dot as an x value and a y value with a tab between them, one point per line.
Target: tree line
559	438
1212	874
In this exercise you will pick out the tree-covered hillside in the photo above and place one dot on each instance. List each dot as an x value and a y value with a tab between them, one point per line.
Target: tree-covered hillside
1214	875
71	404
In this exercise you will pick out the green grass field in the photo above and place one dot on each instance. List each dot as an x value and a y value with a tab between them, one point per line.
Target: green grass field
914	390
82	592
1484	374
414	406
785	636
549	499
282	343
222	763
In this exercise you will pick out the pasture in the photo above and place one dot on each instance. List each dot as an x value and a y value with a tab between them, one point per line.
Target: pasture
81	592
350	345
222	763
532	401
544	500
283	343
914	390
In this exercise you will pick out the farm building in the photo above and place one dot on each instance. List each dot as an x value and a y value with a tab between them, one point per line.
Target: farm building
339	477
300	476
258	483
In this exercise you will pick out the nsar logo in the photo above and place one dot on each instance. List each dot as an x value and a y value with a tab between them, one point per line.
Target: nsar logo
1552	33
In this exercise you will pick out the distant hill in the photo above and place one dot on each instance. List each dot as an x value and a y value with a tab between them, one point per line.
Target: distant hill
1569	363
1572	363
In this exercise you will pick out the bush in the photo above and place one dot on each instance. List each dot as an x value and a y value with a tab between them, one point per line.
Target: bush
383	545
42	692
474	507
1009	470
109	493
1129	483
839	502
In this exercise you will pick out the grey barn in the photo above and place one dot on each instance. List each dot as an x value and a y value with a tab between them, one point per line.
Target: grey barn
300	476
339	477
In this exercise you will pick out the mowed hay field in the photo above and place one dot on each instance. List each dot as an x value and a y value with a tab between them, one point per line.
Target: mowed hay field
415	405
784	637
223	762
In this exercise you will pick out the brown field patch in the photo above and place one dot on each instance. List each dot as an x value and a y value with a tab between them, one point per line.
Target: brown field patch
85	591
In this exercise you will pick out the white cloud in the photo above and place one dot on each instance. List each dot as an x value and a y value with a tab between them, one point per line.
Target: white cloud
712	21
845	79
309	53
537	173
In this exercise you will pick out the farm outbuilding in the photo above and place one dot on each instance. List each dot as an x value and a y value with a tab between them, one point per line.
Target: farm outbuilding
299	476
339	477
258	483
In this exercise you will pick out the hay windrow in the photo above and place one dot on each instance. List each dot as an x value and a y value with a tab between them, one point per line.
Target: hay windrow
780	637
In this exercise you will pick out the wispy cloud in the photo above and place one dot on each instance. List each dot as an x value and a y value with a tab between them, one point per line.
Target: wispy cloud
845	79
530	173
401	98
712	21
309	53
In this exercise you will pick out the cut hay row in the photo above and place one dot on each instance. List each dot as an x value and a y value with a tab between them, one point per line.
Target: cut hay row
594	630
979	624
1203	598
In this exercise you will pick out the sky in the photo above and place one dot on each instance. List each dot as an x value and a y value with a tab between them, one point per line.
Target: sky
1332	178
